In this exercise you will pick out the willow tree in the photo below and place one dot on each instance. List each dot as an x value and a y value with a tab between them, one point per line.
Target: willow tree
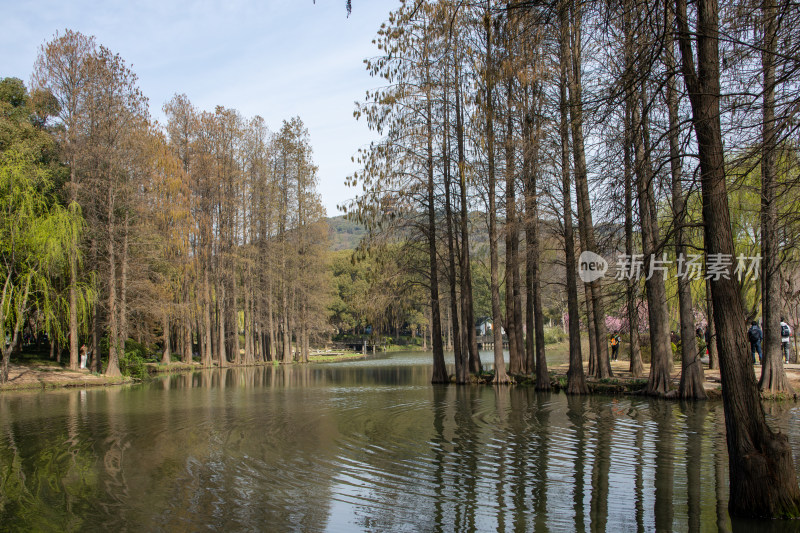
35	229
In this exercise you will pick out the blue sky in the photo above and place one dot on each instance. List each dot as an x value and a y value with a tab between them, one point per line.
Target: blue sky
276	59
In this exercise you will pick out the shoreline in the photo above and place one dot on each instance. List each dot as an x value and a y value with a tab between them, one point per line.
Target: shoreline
46	375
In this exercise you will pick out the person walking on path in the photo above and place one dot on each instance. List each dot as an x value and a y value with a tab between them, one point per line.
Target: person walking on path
786	336
754	335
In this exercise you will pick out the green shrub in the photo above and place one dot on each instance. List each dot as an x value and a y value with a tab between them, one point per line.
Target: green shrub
554	335
132	364
131	360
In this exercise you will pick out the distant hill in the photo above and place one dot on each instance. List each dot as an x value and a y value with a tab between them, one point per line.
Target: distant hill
345	235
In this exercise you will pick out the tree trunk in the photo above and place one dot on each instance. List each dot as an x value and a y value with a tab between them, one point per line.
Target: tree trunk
113	313
773	375
586	226
711	333
691	384
500	375
236	347
187	325
165	354
222	355
287	336
576	380
439	374
658	317
459	350
467	310
74	356
123	286
515	355
636	366
207	327
535	347
763	482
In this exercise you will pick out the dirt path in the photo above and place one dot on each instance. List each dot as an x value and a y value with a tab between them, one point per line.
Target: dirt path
48	375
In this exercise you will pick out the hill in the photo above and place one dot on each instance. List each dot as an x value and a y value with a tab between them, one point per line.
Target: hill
344	234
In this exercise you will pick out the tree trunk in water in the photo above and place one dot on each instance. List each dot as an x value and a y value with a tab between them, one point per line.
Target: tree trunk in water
535	348
439	374
467	311
500	375
636	366
691	385
515	355
586	226
658	317
576	380
222	355
763	482
773	374
459	350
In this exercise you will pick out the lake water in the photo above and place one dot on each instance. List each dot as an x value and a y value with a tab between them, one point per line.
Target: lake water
364	445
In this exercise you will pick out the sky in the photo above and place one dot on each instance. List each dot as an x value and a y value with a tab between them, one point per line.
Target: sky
276	59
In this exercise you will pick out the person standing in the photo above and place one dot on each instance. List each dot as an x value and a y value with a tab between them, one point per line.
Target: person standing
786	336
83	355
754	335
615	346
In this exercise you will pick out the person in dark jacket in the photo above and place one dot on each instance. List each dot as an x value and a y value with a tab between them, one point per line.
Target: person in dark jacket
754	335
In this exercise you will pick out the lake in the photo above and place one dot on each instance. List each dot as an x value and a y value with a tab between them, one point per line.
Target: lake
365	445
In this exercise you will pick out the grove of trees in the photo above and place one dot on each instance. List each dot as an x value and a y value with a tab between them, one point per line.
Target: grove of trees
666	132
204	235
520	143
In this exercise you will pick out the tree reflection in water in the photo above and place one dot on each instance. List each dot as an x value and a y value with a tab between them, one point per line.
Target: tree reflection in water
368	445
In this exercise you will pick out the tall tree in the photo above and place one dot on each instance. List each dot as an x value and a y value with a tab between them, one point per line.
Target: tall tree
773	375
763	481
61	70
576	379
691	384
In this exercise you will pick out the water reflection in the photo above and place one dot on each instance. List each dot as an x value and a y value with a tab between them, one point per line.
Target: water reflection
368	446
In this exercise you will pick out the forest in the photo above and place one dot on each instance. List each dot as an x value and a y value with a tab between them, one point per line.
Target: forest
523	146
204	236
642	156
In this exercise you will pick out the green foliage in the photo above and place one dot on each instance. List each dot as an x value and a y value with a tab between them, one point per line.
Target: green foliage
345	234
13	92
132	364
132	359
382	290
35	228
554	335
